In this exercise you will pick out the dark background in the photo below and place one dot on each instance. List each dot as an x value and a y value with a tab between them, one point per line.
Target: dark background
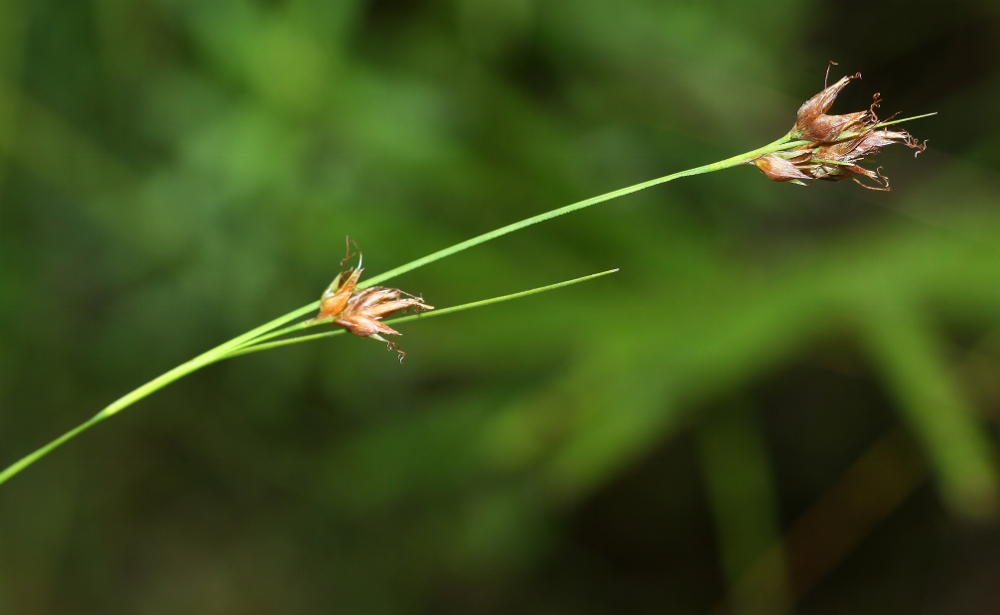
785	401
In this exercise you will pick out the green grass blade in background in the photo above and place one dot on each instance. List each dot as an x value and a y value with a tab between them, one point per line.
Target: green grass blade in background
744	501
932	404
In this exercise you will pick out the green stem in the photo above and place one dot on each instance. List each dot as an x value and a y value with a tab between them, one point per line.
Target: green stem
905	119
216	354
299	326
257	347
241	344
847	136
27	460
781	144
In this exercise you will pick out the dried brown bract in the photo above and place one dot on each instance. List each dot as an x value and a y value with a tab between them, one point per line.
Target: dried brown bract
835	144
818	105
360	311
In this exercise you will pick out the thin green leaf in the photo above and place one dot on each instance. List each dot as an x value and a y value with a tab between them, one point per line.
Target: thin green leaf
422	316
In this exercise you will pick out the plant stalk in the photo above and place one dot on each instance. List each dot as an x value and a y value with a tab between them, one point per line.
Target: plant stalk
244	343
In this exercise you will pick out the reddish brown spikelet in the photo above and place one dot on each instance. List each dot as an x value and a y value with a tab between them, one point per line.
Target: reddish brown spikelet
359	311
826	127
835	144
821	103
778	169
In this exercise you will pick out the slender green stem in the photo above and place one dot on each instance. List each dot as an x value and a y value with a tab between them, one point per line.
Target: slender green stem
244	343
847	136
905	119
27	460
299	326
216	354
304	338
257	347
781	144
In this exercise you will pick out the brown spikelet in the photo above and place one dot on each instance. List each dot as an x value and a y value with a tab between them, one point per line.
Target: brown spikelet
360	311
778	169
820	103
835	143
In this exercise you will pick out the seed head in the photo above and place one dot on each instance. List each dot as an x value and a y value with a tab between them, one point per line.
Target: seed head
780	170
821	103
360	311
835	143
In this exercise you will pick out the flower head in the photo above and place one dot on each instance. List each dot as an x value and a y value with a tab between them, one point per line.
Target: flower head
361	311
834	144
821	103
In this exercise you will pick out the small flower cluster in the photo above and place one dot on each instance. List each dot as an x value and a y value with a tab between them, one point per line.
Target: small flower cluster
835	143
360	311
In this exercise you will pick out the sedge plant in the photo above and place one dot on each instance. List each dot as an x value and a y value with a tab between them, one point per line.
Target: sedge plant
819	146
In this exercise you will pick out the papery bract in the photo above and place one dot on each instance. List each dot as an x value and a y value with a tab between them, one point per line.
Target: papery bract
835	144
360	311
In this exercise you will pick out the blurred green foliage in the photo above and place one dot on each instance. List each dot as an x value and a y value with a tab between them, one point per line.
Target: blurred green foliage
174	172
